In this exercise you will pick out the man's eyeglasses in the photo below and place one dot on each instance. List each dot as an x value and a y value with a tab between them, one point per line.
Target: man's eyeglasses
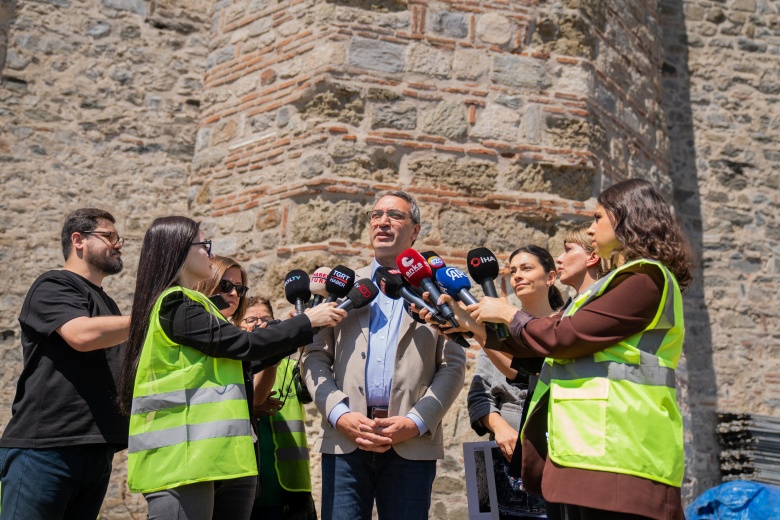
225	286
206	245
251	320
113	238
392	214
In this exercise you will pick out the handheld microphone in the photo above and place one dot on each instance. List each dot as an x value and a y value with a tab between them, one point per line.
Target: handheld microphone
339	283
415	269
362	293
393	285
483	268
456	283
296	289
434	262
317	286
457	337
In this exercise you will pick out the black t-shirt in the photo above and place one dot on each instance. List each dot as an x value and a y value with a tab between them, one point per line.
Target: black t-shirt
65	397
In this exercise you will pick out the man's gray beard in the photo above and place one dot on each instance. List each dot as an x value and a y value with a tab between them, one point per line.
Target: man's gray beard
107	265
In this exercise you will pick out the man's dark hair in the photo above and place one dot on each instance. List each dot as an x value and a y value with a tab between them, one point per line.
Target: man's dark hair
82	219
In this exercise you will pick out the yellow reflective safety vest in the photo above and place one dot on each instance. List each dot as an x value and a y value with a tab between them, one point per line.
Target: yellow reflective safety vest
189	420
616	410
291	453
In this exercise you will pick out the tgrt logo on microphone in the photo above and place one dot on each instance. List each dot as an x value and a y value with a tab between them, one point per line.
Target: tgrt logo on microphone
454	273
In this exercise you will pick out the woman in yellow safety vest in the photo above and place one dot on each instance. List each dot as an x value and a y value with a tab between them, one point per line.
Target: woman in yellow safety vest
182	380
603	438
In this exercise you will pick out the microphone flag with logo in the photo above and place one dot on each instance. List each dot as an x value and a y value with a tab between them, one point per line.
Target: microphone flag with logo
339	282
296	289
483	268
415	269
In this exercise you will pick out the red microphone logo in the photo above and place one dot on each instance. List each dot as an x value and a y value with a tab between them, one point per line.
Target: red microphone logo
365	291
475	261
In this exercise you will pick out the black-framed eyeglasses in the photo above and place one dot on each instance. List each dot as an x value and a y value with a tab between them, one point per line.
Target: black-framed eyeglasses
113	238
392	214
225	286
206	245
251	320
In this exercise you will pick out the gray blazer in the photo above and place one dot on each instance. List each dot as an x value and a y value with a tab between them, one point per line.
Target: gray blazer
491	392
428	375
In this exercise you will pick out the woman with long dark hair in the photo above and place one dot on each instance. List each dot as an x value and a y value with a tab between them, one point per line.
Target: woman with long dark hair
182	381
498	392
603	439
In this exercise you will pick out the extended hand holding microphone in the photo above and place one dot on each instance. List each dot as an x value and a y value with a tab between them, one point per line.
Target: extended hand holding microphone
415	269
362	293
318	285
296	289
483	268
393	285
339	283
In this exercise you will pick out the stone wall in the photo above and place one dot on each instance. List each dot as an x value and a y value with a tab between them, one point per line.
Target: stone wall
722	103
98	107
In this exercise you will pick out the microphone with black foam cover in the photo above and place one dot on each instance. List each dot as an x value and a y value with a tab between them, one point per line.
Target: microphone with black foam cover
317	285
339	283
434	262
415	269
296	289
483	268
362	293
393	285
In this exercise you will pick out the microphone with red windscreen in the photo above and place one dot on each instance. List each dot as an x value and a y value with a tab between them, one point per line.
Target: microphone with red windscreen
415	269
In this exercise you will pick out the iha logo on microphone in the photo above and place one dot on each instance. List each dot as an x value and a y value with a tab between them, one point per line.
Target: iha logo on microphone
479	260
435	262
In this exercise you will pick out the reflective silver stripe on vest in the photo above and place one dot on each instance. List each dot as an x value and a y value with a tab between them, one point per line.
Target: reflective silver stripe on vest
652	340
652	375
189	433
297	453
192	396
289	427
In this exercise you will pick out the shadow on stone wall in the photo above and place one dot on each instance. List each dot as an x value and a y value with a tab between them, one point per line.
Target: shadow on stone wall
7	11
696	376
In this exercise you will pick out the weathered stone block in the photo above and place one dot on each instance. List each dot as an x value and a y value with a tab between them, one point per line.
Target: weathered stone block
402	116
521	72
472	176
567	181
494	28
427	60
470	64
321	219
337	102
448	119
569	35
568	132
379	55
136	6
98	29
493	229
496	122
454	25
313	164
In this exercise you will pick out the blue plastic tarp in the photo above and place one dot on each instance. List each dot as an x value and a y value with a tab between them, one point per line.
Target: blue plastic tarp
737	500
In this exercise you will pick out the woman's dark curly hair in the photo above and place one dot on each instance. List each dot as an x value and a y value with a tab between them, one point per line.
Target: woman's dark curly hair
646	228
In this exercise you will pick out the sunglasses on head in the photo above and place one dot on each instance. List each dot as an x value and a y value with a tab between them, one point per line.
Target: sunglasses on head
225	286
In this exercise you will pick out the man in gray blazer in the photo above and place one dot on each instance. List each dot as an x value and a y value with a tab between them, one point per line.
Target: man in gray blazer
382	383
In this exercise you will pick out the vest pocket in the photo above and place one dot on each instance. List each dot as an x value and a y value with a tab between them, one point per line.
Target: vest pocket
577	420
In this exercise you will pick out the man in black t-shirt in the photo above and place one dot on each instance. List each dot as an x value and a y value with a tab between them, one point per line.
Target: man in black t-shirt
57	449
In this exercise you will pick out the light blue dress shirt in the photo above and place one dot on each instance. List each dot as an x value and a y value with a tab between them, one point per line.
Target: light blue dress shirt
384	325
